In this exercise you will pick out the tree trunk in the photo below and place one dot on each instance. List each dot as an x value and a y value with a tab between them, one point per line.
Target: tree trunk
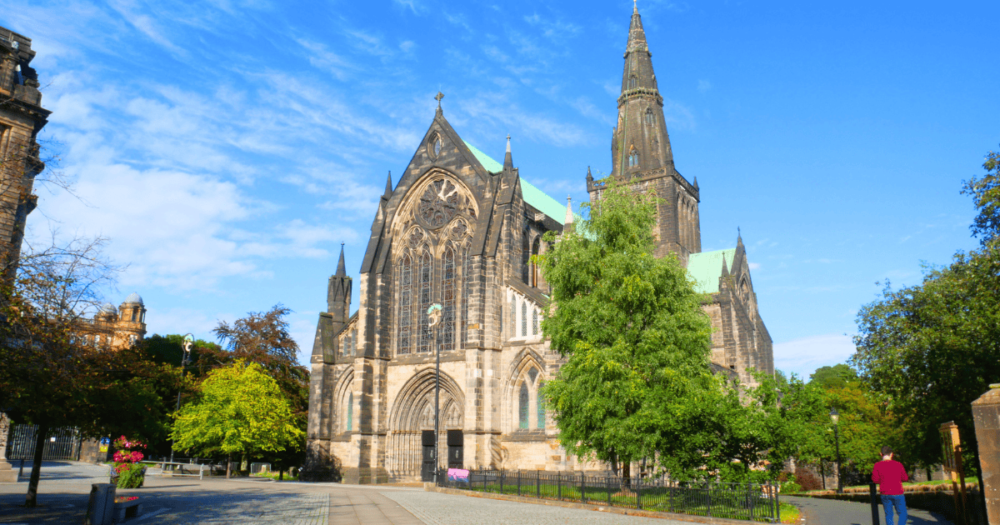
627	474
281	475
36	465
229	464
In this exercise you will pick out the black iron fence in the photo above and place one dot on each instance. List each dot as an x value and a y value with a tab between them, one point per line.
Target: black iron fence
60	444
744	501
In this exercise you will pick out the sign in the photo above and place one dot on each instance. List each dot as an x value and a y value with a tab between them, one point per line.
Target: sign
105	443
458	474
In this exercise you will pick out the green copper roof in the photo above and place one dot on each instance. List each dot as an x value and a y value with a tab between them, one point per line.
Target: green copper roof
532	195
706	268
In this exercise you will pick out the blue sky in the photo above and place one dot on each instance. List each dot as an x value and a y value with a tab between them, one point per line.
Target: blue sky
227	148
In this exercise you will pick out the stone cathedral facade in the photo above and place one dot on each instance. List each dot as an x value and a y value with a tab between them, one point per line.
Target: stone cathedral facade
459	229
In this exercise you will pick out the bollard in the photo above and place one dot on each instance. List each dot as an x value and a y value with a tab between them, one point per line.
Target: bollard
874	493
101	506
21	471
201	472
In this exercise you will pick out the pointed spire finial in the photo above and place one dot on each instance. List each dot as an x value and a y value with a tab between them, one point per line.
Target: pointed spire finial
388	186
438	98
341	267
589	176
508	161
635	8
568	222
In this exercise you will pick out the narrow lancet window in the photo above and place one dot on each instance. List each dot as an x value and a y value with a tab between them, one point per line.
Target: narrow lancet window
350	412
448	301
523	407
524	318
405	307
541	406
425	302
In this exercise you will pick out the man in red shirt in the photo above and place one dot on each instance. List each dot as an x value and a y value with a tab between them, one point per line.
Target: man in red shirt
890	475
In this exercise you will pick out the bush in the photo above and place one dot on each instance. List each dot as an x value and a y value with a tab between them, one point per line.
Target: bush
808	479
131	477
790	487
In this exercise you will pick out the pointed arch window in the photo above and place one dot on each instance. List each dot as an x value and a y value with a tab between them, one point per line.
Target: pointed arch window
513	317
466	292
437	146
448	301
541	406
534	322
525	258
534	266
425	302
633	158
350	412
650	119
632	82
524	318
522	405
405	307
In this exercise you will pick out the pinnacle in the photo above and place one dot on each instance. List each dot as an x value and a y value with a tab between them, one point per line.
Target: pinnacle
388	186
341	267
508	161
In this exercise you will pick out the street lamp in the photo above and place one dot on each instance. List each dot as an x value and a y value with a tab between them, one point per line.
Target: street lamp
835	417
185	359
434	314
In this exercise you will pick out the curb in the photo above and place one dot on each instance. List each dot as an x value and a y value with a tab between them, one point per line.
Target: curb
586	506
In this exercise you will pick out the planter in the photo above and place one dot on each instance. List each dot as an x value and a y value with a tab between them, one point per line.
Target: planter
115	476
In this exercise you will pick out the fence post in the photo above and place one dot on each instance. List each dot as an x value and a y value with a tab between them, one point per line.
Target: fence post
770	496
559	485
638	493
538	484
583	488
518	482
777	502
501	482
874	494
708	490
671	485
607	486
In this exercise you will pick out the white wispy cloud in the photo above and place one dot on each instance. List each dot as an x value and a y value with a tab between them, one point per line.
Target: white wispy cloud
803	356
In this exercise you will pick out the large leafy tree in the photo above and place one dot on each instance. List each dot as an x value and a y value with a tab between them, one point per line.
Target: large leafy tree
930	350
241	410
633	331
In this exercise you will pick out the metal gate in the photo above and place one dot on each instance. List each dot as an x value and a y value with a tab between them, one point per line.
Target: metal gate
61	443
427	467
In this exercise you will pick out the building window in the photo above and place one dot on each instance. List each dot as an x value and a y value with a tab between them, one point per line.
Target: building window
534	265
350	412
541	406
466	292
513	317
525	255
534	322
633	158
425	302
632	82
97	341
523	407
405	307
437	146
448	300
650	119
524	318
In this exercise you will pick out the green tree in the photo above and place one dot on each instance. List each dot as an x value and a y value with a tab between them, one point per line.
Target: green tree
240	410
836	376
930	350
632	329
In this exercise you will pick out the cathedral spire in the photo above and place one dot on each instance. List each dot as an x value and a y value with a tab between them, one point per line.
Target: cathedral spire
341	267
508	162
388	187
640	142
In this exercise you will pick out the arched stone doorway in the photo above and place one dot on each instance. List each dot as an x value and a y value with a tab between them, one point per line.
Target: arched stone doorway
412	413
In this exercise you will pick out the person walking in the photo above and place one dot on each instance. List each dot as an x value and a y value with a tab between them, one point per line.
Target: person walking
890	475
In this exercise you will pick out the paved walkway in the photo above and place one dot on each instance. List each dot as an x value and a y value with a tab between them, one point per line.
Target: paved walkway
818	511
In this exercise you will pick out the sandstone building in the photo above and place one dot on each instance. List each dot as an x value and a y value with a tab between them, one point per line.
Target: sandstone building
114	329
21	118
458	229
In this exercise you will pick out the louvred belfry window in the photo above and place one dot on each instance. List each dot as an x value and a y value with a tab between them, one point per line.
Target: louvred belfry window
405	307
425	302
448	301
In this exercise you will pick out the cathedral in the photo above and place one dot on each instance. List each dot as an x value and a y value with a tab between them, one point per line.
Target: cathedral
458	230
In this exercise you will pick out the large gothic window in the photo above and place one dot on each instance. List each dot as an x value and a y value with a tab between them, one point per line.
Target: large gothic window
448	301
633	158
522	406
406	307
425	302
439	203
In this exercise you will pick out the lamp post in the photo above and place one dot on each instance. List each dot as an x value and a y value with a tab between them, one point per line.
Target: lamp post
835	417
185	359
434	314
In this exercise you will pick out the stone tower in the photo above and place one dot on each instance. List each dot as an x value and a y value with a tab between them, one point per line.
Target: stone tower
640	152
338	295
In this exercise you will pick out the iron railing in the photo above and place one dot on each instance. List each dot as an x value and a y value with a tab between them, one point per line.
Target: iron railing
60	444
743	501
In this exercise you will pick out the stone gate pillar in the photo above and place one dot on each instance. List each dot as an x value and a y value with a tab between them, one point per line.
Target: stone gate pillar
7	474
986	413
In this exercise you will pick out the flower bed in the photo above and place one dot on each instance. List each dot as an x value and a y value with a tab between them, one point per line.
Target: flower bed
126	472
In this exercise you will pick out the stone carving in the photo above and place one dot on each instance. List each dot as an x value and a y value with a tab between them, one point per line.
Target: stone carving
415	238
459	229
439	203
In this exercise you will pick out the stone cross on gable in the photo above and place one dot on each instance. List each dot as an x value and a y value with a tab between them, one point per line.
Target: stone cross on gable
438	98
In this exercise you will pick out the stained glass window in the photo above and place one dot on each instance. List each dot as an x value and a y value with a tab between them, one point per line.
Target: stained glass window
467	290
532	374
524	318
425	302
541	406
448	301
405	307
350	412
523	407
633	158
534	322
